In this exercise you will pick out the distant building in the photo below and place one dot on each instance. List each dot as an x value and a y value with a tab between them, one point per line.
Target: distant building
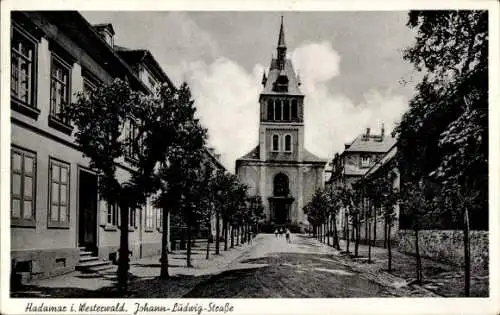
359	157
279	168
58	222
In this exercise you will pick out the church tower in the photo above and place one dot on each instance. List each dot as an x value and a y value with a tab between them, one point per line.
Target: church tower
281	132
280	169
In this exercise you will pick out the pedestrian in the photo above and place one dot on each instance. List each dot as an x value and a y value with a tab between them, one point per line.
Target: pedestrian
281	232
287	235
276	232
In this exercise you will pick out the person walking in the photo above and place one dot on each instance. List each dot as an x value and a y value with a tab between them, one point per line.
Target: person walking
281	232
287	233
276	232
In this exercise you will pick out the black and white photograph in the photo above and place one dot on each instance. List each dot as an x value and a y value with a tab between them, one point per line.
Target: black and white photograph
206	156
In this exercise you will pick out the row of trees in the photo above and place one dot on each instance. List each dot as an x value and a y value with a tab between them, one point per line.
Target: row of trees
160	138
364	203
442	139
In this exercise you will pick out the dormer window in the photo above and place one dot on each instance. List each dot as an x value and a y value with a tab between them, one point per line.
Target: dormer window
107	33
365	161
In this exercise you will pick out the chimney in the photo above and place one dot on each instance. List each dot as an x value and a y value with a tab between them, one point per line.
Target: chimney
382	131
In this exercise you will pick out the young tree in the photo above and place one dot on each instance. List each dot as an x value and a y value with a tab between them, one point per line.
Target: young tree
113	122
184	164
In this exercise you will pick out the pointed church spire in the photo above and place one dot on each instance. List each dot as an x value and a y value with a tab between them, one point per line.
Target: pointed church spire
281	47
281	38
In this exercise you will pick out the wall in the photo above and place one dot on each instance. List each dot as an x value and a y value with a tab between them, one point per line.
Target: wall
447	246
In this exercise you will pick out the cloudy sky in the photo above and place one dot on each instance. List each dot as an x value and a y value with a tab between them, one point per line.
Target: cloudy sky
350	65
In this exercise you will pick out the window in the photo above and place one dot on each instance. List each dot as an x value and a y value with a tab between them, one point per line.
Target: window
23	183
286	110
294	109
276	143
23	68
59	175
281	185
149	217
270	110
59	87
277	110
159	219
365	161
288	143
112	214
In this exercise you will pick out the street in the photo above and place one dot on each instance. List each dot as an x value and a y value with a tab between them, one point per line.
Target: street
303	268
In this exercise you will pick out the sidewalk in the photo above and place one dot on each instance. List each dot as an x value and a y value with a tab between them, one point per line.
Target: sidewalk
143	276
439	278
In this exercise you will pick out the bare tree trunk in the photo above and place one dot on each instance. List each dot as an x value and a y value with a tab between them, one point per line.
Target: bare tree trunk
385	233
328	231
417	256
208	239
369	243
466	253
232	236
356	233
374	226
123	259
188	252
347	233
238	235
217	233
225	223
389	253
336	235
164	246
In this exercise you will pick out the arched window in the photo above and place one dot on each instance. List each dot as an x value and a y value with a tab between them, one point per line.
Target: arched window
276	143
294	109
286	110
270	110
281	185
288	143
277	110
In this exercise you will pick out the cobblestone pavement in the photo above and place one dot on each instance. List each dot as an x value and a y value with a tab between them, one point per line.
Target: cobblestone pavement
301	269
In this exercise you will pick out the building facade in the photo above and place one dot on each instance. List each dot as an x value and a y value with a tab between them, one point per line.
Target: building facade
360	157
280	169
58	222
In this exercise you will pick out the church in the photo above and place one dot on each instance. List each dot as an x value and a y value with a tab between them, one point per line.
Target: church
279	168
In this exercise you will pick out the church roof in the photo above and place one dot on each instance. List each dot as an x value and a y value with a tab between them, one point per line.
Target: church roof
252	155
375	144
274	72
309	157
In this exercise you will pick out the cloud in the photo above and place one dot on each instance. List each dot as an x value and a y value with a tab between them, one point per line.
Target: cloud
227	100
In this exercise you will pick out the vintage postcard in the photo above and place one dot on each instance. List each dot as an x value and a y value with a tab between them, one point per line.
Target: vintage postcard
249	157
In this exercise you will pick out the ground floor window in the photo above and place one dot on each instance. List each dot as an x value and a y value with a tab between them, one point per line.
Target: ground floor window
159	219
59	173
23	184
112	214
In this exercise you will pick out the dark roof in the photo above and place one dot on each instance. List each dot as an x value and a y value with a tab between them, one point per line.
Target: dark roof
375	144
389	156
274	72
309	157
137	56
79	30
252	155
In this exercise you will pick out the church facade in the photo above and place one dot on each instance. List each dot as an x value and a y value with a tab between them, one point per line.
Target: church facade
279	168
